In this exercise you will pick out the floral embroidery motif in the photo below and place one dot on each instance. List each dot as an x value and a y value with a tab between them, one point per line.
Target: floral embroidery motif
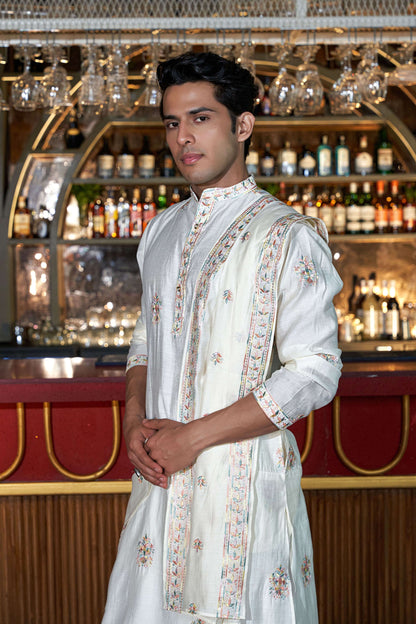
290	459
216	358
306	271
245	237
279	583
280	460
136	360
198	621
197	544
332	359
227	296
192	608
156	307
306	569
145	550
201	482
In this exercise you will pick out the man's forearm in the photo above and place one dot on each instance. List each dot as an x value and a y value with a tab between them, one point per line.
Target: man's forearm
136	393
243	420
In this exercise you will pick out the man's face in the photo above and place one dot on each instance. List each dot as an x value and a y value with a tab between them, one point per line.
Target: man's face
200	138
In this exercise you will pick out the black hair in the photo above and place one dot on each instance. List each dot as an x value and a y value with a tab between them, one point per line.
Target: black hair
234	85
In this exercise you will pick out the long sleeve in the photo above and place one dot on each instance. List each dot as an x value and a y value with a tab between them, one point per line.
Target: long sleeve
306	331
137	354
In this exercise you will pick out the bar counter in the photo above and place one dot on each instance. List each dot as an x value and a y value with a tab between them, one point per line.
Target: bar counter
61	422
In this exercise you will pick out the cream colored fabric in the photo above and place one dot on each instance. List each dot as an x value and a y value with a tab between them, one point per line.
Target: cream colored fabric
224	279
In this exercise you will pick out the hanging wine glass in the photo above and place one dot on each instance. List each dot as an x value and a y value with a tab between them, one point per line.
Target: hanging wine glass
92	93
373	80
117	87
245	54
310	90
27	93
55	80
150	97
405	73
345	95
283	90
3	104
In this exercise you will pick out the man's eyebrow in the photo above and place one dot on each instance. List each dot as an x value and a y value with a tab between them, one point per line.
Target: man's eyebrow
194	111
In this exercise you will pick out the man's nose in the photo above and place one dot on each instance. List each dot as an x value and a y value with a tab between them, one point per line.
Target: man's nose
184	135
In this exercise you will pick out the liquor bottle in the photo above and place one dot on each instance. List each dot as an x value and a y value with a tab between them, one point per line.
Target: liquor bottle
295	200
162	200
363	159
340	213
175	197
342	158
98	219
324	157
367	218
252	162
288	160
136	215
149	207
409	210
123	211
395	209
371	313
105	161
354	297
352	210
125	161
146	160
265	104
22	219
310	208
362	296
267	162
73	135
393	314
383	310
41	220
110	216
166	163
384	153
307	163
380	209
326	211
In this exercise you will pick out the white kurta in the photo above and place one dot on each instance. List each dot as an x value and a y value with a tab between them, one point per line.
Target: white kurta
224	278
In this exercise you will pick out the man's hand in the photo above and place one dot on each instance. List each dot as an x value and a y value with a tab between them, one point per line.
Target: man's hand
136	435
170	444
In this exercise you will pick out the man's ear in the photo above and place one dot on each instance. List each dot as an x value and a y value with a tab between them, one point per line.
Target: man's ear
245	125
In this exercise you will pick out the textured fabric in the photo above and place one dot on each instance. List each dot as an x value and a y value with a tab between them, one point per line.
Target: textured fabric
224	279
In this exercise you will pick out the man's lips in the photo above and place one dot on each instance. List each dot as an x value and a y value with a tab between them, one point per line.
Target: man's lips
190	158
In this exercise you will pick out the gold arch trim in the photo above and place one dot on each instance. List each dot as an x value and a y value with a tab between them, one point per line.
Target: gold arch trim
308	436
47	419
20	410
404	439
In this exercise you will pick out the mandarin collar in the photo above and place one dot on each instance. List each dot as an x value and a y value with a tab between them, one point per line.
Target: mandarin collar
230	192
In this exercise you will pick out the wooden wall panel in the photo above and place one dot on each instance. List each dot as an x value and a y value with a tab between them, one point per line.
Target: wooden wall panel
56	554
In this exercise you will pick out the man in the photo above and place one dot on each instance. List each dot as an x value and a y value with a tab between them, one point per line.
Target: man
216	528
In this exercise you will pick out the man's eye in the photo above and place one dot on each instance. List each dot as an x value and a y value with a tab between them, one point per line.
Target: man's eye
171	124
201	118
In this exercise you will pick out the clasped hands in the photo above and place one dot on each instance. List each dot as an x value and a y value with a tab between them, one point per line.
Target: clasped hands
159	448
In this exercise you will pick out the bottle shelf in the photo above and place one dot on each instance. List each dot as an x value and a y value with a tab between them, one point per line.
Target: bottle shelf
289	180
339	238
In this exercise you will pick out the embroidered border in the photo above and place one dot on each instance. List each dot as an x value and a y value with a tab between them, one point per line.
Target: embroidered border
182	483
331	359
239	477
136	360
271	408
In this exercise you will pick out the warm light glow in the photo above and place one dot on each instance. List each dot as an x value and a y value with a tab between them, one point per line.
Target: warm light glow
109	306
337	255
33	284
44	265
38	256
